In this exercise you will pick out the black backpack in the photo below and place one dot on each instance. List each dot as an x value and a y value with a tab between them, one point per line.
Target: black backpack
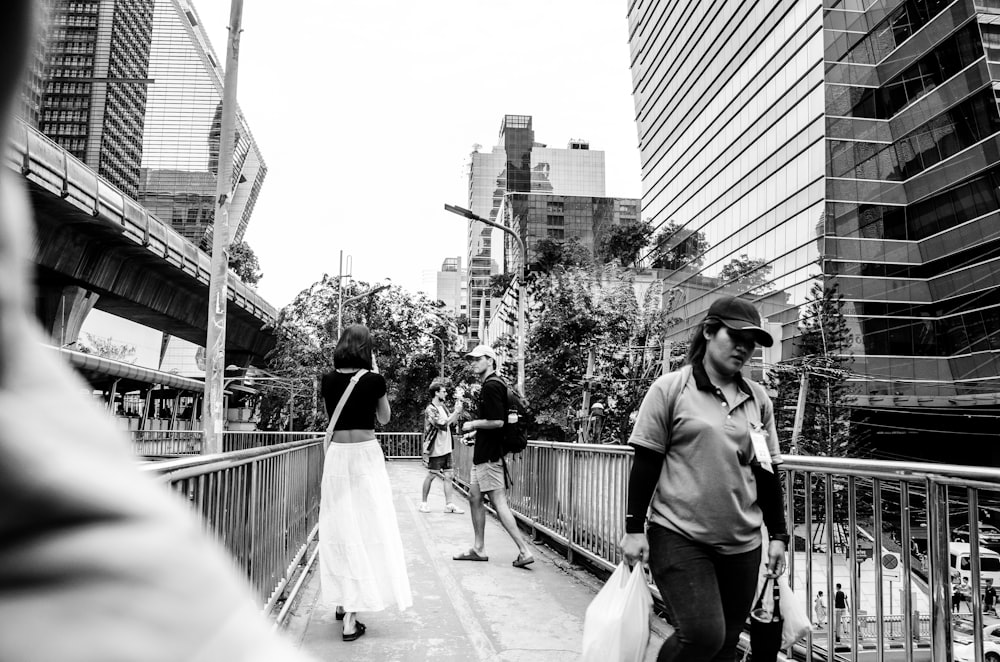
515	425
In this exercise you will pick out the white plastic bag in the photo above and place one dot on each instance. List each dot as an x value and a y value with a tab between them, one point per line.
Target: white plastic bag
616	626
796	618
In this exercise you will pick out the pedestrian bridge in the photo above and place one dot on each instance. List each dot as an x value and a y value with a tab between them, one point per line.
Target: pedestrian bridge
263	501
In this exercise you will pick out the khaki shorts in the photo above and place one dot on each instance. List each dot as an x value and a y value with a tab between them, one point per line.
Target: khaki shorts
489	476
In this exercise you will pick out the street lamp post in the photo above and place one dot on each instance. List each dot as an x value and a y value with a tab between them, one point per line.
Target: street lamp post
521	294
215	341
370	292
433	337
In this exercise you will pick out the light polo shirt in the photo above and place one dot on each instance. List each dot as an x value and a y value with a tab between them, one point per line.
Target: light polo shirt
706	491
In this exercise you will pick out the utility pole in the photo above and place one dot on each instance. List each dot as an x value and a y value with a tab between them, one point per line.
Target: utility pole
585	407
215	343
800	410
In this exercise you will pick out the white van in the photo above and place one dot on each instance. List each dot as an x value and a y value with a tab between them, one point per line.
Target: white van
959	561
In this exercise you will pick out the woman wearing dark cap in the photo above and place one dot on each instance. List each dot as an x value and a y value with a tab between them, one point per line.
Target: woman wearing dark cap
706	451
362	567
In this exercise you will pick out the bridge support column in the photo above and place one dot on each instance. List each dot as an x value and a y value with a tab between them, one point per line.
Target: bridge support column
62	312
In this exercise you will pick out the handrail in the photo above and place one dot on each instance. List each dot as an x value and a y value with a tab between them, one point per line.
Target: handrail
576	495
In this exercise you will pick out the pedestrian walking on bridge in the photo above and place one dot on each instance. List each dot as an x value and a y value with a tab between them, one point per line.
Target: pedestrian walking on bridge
362	567
706	452
437	428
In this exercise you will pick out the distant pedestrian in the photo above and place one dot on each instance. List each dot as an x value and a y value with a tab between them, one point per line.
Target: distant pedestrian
990	598
362	567
486	432
965	594
819	606
437	417
840	606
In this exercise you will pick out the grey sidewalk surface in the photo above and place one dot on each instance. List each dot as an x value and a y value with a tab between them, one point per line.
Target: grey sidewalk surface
462	610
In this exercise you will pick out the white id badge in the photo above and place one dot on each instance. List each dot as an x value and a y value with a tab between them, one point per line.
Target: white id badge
760	450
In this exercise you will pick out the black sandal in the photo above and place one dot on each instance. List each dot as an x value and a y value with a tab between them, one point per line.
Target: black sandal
340	614
359	629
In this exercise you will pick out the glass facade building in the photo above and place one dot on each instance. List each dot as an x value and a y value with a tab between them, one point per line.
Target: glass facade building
855	140
96	59
183	119
518	164
134	90
540	216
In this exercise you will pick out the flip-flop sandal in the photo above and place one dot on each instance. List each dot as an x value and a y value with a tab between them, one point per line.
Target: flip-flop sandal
523	561
339	615
470	555
359	629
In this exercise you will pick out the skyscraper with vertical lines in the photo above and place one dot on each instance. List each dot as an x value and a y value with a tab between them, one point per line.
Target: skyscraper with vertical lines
853	142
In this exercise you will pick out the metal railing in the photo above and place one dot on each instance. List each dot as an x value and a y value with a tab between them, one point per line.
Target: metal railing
880	512
261	503
261	497
161	443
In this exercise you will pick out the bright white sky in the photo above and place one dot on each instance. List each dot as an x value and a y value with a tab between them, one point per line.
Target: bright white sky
366	112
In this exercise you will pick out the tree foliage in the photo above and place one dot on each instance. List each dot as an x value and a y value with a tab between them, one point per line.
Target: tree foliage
675	247
751	273
401	323
106	348
624	244
575	311
550	254
822	352
243	262
499	284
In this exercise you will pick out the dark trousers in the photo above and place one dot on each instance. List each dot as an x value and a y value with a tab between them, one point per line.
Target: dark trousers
708	595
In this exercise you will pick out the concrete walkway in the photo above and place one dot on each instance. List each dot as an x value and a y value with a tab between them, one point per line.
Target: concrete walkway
462	610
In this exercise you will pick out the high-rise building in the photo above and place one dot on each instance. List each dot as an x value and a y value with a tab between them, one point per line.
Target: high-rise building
134	90
518	164
452	286
96	58
183	121
539	216
851	142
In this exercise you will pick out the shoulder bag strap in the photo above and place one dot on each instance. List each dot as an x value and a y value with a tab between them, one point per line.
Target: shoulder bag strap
673	393
340	405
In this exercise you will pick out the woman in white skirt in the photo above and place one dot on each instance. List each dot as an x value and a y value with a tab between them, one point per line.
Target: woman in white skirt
362	567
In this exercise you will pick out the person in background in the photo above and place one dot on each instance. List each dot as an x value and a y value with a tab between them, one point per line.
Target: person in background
840	605
486	432
362	567
706	452
436	416
98	560
990	598
819	607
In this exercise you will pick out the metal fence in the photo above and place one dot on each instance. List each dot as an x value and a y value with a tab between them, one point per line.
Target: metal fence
261	503
884	530
168	443
260	497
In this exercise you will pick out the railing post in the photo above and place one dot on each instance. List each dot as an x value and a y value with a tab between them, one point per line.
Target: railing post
939	579
571	537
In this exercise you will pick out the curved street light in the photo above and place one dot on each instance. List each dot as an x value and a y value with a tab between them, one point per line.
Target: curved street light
521	294
340	305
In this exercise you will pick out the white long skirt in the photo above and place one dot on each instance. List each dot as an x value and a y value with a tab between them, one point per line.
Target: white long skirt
362	567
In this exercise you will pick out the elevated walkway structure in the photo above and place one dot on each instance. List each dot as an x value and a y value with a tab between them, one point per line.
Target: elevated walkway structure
98	248
263	503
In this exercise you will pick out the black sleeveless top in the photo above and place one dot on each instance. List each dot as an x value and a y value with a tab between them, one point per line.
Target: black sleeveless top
359	410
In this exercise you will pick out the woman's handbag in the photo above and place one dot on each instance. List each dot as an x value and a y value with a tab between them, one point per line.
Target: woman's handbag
766	624
340	407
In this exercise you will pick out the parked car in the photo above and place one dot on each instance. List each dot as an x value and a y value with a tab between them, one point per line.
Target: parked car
964	647
989	536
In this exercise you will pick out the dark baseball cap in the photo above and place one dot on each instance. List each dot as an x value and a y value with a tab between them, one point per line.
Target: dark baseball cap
739	315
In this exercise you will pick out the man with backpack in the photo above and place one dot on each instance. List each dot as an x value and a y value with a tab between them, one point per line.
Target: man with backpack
486	432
